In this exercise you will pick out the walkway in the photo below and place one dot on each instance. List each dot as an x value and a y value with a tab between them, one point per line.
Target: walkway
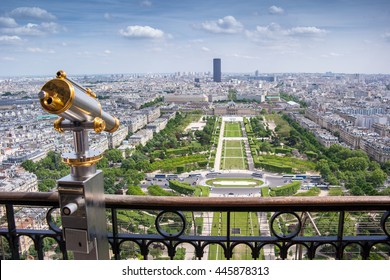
269	252
251	165
218	155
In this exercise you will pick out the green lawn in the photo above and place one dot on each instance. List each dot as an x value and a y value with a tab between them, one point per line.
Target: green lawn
283	126
241	224
233	144
233	152
233	156
232	129
233	163
298	165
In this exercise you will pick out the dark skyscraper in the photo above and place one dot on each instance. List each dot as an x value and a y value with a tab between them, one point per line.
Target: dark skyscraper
217	70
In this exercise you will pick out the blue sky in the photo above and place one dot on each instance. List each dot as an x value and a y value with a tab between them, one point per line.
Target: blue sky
150	36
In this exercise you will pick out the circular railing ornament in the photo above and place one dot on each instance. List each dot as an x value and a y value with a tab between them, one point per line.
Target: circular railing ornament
285	225
170	224
49	219
385	223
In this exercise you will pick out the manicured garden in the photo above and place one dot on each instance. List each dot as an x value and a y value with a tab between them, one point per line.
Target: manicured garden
232	129
241	224
233	155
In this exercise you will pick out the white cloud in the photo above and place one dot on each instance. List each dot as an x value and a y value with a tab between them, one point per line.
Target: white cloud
107	52
33	29
156	50
227	25
7	22
146	3
32	13
306	31
386	36
7	58
197	41
274	10
270	32
205	49
10	39
35	50
141	32
274	32
332	54
240	56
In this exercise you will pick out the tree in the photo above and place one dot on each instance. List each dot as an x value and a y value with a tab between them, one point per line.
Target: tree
377	177
114	155
265	146
103	163
29	166
323	168
155	252
128	164
356	191
386	167
355	164
46	185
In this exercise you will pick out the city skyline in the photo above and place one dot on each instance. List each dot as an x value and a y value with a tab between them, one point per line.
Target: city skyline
97	37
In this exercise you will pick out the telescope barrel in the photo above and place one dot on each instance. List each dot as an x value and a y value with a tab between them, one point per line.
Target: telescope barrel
67	99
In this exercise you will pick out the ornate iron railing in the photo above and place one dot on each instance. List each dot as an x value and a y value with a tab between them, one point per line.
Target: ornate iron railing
208	228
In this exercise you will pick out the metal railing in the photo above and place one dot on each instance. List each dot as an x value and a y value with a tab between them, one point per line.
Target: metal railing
147	227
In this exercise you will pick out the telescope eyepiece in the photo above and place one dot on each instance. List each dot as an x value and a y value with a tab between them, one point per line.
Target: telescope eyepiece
43	95
61	74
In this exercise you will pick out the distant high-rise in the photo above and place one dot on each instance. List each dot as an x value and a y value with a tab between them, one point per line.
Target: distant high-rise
217	70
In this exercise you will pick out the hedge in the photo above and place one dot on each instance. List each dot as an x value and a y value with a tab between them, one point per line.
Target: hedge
171	164
135	190
311	154
264	191
179	151
158	191
286	190
183	188
282	151
202	163
274	167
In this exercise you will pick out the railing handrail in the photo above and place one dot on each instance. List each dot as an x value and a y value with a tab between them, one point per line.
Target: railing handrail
366	241
336	203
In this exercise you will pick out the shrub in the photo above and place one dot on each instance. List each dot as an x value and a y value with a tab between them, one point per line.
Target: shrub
275	167
282	151
135	190
183	188
312	192
264	191
158	191
286	190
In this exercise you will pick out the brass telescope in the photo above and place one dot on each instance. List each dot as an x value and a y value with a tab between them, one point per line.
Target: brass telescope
70	101
81	194
79	110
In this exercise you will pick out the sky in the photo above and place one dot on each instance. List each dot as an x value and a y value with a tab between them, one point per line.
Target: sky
165	36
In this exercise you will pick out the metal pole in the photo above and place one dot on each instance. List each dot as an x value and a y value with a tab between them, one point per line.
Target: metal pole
81	196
